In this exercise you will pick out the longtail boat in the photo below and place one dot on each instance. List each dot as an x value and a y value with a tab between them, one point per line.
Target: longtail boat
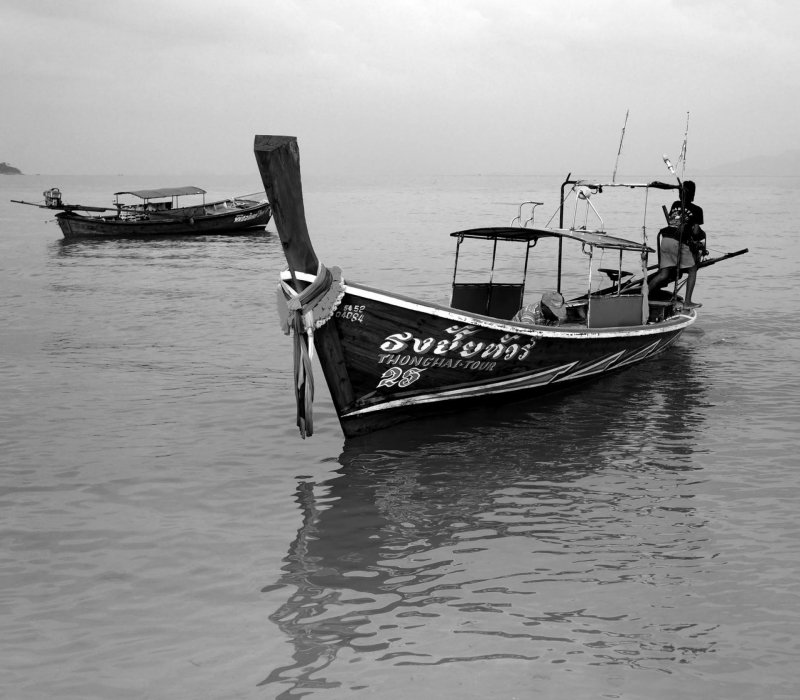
389	358
157	212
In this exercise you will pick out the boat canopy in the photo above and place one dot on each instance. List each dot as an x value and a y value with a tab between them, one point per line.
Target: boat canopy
654	184
164	192
597	239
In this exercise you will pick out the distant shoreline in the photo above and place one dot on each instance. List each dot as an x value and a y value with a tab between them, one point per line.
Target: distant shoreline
6	169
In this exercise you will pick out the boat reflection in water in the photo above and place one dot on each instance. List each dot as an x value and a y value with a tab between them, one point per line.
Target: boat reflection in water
557	533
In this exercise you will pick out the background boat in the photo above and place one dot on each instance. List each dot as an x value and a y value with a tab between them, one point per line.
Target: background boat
159	212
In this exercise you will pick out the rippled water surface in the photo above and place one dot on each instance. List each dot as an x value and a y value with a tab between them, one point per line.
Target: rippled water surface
167	534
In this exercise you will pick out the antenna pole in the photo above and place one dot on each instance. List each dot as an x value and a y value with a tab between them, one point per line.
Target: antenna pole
682	156
619	151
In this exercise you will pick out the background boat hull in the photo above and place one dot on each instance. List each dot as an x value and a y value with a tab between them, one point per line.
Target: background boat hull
237	221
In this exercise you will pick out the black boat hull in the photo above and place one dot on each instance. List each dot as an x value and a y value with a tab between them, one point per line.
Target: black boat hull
388	358
189	222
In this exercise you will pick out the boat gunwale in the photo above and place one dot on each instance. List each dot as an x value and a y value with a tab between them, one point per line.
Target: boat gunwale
577	331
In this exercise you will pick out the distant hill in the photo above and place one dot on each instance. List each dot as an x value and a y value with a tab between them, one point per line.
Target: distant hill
6	169
784	165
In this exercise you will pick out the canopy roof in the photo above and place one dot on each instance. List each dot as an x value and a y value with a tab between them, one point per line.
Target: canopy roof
164	192
654	184
598	239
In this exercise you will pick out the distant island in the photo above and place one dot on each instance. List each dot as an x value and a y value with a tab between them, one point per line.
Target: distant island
6	169
786	164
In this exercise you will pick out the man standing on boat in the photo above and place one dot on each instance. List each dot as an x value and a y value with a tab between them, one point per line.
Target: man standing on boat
682	242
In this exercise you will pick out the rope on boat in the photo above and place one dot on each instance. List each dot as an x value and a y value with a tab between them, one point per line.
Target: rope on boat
303	312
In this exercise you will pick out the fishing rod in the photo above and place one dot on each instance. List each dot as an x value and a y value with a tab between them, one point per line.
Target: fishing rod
619	151
682	156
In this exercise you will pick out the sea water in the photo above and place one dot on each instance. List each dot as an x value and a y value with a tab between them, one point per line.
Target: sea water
167	534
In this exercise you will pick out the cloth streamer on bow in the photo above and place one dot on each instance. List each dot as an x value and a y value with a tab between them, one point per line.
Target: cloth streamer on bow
303	312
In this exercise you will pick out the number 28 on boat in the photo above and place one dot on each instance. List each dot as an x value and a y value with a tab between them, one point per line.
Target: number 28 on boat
389	358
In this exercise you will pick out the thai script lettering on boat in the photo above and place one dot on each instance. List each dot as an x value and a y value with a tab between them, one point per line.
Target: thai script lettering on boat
510	347
409	356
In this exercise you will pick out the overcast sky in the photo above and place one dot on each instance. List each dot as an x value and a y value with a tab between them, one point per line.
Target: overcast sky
398	87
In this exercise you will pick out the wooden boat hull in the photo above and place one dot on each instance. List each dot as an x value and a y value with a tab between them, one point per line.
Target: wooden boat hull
389	358
192	221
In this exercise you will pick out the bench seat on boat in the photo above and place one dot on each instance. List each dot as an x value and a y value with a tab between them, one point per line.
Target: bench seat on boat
609	312
499	300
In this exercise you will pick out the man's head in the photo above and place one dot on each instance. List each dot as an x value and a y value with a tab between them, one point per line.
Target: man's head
688	191
553	306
